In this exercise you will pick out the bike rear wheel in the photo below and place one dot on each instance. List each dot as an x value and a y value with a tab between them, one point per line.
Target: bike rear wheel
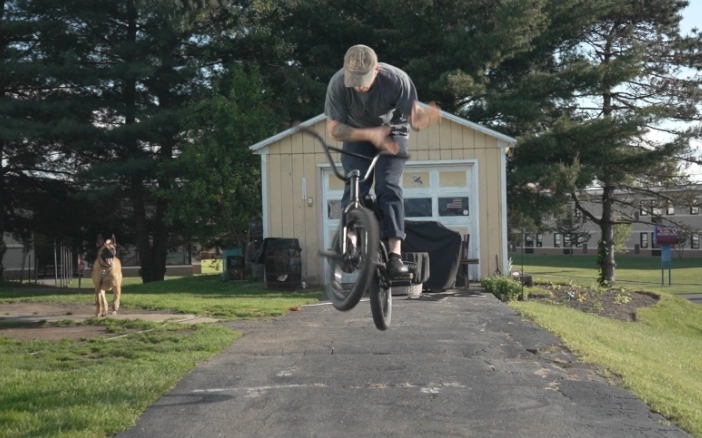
350	277
380	301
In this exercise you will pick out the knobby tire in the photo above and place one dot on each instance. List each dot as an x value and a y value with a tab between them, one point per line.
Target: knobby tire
367	238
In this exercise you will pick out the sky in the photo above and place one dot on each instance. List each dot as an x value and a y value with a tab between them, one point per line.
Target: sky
692	16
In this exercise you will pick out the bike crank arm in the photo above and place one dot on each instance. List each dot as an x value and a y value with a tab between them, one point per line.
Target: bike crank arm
331	255
400	283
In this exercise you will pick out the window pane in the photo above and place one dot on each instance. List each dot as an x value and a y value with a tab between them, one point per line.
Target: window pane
566	240
334	209
653	241
539	240
694	210
453	207
670	210
644	208
644	240
576	239
557	240
695	241
418	207
529	241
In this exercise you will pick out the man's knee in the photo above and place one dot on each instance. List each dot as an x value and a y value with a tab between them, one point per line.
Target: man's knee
388	190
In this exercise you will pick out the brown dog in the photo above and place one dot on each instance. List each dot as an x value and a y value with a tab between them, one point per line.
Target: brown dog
107	275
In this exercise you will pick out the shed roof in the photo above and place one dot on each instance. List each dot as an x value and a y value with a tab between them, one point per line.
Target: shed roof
461	121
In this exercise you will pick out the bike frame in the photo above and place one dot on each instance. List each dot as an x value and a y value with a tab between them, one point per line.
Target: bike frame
353	178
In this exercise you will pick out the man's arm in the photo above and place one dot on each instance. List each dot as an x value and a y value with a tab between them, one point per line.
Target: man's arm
379	136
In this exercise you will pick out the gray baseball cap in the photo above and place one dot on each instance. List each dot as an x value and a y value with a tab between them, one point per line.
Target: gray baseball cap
359	64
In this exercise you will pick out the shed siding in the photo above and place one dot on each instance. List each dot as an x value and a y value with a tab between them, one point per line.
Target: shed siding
296	157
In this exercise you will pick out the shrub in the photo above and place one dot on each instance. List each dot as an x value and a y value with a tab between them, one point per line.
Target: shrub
504	288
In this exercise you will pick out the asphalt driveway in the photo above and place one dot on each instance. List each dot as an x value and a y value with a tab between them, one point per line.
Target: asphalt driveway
451	365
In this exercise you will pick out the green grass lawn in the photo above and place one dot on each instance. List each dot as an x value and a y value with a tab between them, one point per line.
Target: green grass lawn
211	266
204	295
658	356
99	387
208	267
632	272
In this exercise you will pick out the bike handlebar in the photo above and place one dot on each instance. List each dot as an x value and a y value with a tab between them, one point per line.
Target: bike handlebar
373	160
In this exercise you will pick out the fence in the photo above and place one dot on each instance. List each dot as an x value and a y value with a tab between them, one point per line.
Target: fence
41	262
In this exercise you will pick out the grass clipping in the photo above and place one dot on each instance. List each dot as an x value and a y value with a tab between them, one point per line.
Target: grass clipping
97	387
658	357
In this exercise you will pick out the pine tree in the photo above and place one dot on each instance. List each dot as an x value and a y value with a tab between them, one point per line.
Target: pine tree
218	188
34	116
616	81
446	46
139	64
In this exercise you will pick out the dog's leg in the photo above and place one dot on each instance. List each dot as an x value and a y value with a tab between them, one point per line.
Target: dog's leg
115	299
103	303
97	302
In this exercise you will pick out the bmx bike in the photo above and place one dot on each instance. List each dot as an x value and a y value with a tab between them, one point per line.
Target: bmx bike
360	266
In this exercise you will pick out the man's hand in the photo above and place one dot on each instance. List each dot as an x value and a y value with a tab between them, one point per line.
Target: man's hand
423	117
378	136
381	139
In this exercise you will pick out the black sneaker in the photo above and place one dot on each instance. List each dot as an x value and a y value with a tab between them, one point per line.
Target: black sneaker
396	269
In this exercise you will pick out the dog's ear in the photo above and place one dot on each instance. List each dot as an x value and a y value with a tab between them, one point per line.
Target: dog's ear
100	241
114	241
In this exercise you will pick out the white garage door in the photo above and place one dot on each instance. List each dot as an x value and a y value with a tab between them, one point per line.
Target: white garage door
446	192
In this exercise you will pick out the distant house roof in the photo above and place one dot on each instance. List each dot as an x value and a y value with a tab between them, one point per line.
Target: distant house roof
281	135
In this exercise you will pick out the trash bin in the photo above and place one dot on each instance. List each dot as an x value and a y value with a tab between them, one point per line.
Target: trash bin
236	268
230	264
282	263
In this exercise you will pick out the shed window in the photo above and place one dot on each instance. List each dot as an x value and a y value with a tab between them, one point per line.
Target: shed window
454	206
418	207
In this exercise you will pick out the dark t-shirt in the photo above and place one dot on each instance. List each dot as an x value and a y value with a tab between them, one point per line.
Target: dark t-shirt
389	101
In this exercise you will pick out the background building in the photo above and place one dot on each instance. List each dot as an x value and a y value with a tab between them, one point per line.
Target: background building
455	163
649	212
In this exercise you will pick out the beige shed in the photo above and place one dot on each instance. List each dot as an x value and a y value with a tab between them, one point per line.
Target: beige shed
454	163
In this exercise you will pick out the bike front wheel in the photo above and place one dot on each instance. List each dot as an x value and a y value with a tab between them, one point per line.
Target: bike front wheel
350	277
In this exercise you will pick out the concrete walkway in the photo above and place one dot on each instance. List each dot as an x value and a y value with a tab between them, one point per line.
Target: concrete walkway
695	298
460	365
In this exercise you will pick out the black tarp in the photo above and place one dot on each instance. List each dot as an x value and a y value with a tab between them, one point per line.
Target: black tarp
443	246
